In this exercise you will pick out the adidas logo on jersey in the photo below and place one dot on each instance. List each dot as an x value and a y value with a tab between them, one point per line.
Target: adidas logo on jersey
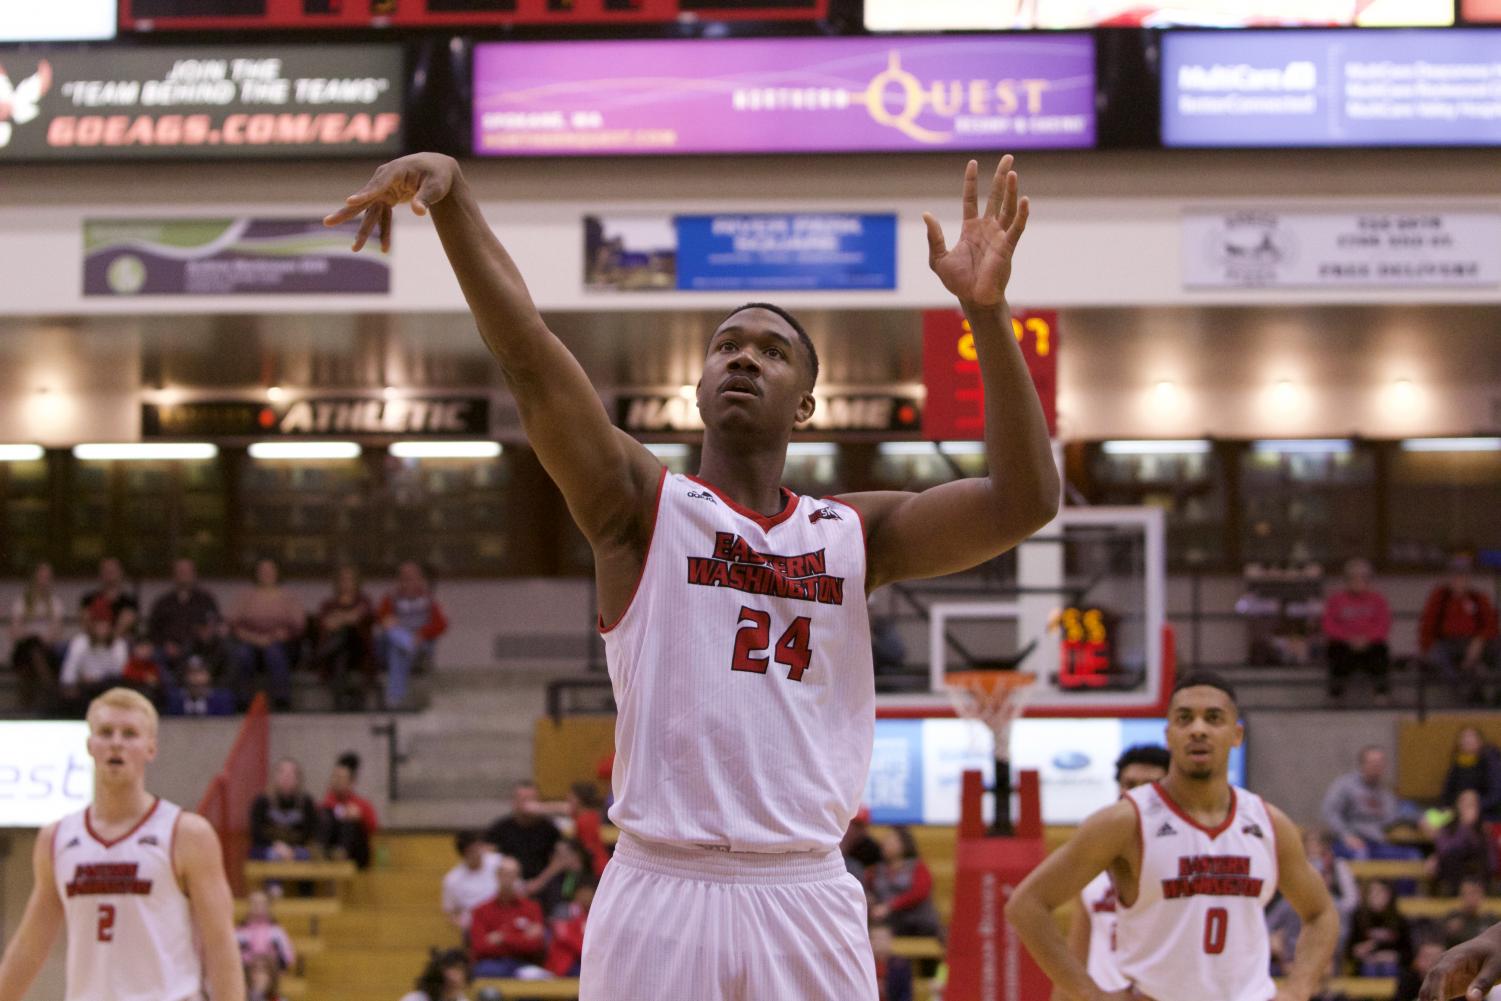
1254	830
149	839
1166	830
824	514
701	495
73	843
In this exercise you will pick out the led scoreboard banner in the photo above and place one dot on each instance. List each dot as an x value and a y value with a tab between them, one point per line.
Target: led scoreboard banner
192	15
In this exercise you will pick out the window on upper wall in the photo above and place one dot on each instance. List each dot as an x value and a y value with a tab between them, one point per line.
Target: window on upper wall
1186	478
1443	494
309	515
449	513
1307	501
25	506
146	512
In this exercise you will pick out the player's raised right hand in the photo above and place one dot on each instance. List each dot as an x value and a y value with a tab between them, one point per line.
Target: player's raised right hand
424	179
1468	971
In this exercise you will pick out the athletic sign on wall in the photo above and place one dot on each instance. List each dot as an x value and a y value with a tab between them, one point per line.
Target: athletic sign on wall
445	416
127	257
207	102
1416	249
660	412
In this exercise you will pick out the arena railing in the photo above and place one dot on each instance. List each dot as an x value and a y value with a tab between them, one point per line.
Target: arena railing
226	804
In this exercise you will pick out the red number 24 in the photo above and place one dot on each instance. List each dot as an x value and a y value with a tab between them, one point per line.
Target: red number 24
794	649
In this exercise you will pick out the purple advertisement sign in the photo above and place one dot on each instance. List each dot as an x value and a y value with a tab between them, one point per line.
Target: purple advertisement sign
1332	88
790	95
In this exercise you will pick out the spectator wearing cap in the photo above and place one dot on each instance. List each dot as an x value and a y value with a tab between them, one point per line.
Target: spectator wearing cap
113	593
95	658
471	882
179	617
352	822
411	620
197	695
1458	631
1357	620
264	621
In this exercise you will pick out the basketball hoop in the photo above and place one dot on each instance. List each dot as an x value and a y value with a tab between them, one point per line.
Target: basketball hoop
997	699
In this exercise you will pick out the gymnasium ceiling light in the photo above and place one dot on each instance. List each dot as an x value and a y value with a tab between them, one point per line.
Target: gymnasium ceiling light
21	453
1451	445
668	450
126	451
1158	446
304	450
1303	446
445	449
811	449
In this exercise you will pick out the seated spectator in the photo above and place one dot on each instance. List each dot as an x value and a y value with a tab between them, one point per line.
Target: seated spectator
1457	633
1356	623
1380	942
1338	878
1462	849
1360	808
1470	918
527	834
472	881
565	947
197	695
264	622
901	887
113	592
95	658
263	980
506	933
565	872
587	812
411	620
144	674
1476	765
36	633
352	822
859	849
345	649
179	616
284	821
894	978
1423	959
445	978
261	937
1283	926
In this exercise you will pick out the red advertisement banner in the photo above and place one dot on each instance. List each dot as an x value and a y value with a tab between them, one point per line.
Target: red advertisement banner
955	406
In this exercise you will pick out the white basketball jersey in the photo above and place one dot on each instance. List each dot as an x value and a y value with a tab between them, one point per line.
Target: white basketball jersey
1098	901
130	931
744	688
1197	928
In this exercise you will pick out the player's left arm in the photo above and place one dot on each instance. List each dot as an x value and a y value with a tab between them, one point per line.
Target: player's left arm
1305	891
199	861
955	526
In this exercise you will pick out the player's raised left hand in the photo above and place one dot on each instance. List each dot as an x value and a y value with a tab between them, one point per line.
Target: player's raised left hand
977	268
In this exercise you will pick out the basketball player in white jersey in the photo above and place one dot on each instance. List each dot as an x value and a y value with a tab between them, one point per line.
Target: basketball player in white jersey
1194	861
734	612
137	882
1091	930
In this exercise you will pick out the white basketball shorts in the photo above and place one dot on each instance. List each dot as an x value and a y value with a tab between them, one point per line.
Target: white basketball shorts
695	924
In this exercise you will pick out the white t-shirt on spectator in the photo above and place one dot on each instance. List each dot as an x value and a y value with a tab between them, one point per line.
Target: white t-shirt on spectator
467	888
86	664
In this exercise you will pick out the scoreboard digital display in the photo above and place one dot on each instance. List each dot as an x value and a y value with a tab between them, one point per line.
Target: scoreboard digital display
193	15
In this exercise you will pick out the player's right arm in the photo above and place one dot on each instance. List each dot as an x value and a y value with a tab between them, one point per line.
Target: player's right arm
1468	971
1104	841
608	478
39	925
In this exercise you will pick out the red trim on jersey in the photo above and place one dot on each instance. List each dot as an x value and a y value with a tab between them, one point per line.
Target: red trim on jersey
1213	832
656	507
53	840
1141	852
789	505
89	826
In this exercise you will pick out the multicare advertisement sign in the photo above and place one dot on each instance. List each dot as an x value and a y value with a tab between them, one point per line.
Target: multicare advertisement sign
1328	88
789	95
211	102
993	15
126	257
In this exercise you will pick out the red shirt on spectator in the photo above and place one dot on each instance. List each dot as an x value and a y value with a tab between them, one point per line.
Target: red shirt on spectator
567	947
586	825
339	805
517	923
1465	615
420	613
1357	617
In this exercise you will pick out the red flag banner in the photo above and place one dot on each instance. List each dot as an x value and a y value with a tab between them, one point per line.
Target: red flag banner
955	407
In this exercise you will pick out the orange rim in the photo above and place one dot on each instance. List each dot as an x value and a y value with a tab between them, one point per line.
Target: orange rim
988	682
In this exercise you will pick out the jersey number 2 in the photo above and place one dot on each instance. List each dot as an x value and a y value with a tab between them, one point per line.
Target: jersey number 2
1216	920
794	649
106	922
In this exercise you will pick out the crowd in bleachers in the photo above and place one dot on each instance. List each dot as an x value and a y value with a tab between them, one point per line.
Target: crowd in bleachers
192	655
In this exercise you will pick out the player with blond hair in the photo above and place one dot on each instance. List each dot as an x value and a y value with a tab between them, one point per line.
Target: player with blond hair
137	882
